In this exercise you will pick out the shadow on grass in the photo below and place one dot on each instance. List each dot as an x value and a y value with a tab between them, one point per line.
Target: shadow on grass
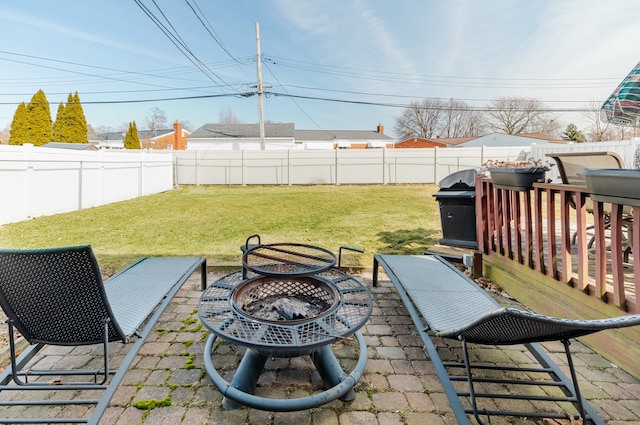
407	241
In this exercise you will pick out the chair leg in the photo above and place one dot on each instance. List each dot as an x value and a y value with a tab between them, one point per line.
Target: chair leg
472	394
574	378
12	352
15	372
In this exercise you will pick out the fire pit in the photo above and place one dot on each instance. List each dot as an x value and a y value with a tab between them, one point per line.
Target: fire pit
285	315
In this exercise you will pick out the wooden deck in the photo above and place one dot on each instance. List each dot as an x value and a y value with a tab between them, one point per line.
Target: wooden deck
546	269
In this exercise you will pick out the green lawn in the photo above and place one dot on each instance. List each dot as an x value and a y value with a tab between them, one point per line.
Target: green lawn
213	221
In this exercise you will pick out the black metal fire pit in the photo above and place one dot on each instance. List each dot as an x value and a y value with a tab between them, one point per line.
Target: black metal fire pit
280	314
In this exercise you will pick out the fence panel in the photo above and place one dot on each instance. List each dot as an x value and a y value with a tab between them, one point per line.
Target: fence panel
37	181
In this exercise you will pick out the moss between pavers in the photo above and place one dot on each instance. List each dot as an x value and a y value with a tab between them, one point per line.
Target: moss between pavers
152	404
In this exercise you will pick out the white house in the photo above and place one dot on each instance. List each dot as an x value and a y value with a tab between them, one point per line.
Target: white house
282	136
502	139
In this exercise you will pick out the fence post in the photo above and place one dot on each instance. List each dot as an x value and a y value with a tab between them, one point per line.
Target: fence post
435	164
289	166
195	165
242	165
140	173
337	165
28	149
384	162
80	172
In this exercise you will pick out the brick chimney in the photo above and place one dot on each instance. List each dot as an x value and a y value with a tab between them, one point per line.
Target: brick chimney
380	128
178	142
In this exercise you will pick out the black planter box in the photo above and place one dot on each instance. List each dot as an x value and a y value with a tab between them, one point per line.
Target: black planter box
520	179
614	185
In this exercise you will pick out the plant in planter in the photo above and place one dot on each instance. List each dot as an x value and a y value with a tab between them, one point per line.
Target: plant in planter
517	175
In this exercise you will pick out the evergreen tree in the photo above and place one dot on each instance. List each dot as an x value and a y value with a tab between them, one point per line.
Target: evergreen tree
19	132
131	139
59	125
572	133
71	124
40	124
76	120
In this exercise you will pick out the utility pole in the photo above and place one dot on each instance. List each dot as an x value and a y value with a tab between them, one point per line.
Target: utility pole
259	69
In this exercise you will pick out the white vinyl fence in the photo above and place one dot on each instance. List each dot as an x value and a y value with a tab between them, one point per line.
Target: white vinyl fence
38	181
340	166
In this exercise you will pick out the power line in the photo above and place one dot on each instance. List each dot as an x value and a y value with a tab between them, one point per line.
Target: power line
112	102
409	96
292	99
404	105
207	26
284	61
177	41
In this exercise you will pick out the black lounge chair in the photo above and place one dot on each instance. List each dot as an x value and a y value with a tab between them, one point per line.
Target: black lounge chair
57	296
443	302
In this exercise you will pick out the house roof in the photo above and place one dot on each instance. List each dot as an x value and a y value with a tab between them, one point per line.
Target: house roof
242	131
91	133
453	141
75	146
501	139
142	134
540	135
330	135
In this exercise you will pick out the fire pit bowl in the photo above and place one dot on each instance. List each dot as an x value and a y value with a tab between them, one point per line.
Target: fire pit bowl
276	299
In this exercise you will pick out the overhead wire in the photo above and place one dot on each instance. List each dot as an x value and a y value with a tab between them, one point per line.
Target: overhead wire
177	41
405	105
292	98
460	81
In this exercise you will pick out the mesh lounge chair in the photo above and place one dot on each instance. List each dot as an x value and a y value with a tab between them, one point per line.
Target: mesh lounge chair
56	296
443	301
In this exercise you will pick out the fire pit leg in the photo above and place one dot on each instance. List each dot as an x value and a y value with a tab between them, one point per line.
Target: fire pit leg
330	371
246	377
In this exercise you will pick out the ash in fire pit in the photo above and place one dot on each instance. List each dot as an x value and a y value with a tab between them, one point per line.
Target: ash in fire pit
276	308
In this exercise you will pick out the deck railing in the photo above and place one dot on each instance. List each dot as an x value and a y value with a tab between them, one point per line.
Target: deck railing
558	231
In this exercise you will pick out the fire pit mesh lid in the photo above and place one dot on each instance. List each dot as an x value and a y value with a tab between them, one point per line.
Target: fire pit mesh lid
288	259
286	338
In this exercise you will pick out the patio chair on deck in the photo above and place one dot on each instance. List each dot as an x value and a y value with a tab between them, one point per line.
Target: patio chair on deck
570	166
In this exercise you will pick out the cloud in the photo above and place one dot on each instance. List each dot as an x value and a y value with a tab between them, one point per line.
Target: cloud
31	23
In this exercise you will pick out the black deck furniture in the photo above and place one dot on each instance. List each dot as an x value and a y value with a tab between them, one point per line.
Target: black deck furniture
443	302
56	296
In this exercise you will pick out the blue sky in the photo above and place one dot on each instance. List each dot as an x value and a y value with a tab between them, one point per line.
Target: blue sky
336	64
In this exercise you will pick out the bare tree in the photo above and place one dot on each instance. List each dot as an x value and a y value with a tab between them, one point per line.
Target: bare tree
546	123
514	115
186	124
157	120
599	128
226	116
436	117
460	120
4	136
